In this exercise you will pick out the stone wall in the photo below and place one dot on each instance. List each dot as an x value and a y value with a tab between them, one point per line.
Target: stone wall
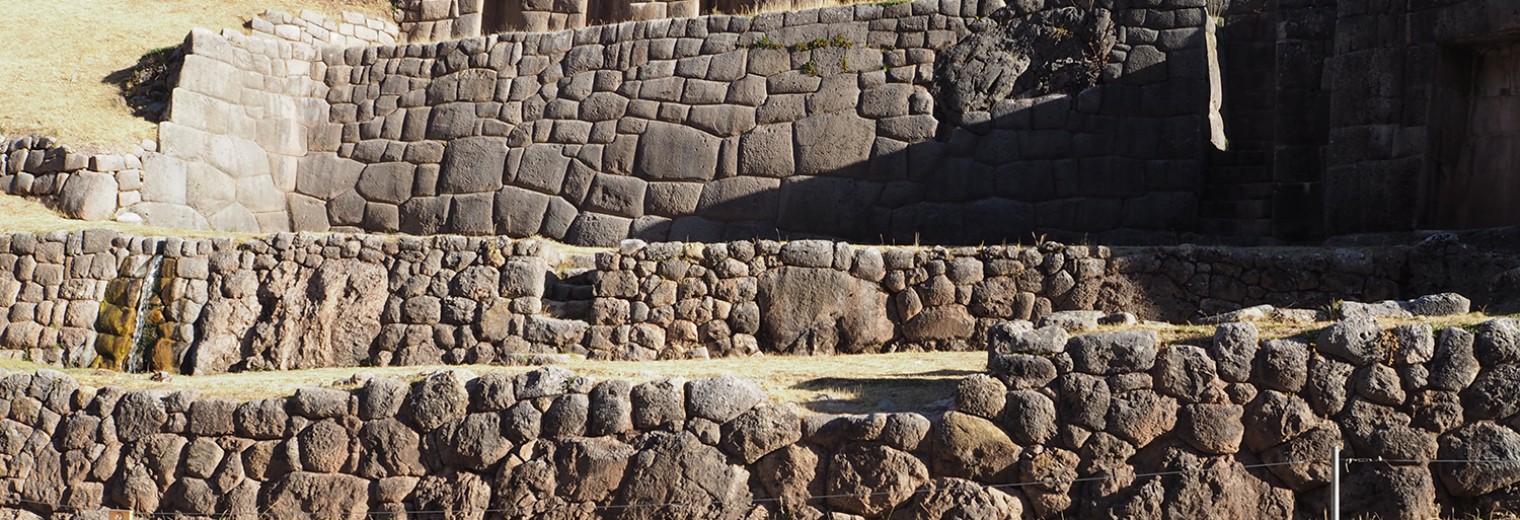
287	301
812	123
1098	425
80	185
246	109
311	28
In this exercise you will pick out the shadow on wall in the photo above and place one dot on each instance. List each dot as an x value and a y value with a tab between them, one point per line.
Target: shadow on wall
787	139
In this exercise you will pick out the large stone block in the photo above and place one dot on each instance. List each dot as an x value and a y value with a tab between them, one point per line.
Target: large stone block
740	199
673	152
387	182
520	212
542	168
473	165
767	151
424	215
835	144
163	179
593	229
89	196
827	205
618	195
324	175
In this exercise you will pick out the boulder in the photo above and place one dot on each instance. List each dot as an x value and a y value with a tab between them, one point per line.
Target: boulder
1184	372
1356	340
1004	338
1282	364
323	447
968	446
1140	416
1479	441
474	443
333	495
387	447
870	480
1108	353
959	499
721	399
439	399
591	470
806	310
1029	417
138	415
456	495
760	431
676	468
1234	350
980	395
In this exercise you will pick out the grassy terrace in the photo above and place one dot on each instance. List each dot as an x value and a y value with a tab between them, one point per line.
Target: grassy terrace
55	58
832	384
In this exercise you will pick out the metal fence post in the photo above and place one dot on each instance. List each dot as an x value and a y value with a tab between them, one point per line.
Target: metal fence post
1335	483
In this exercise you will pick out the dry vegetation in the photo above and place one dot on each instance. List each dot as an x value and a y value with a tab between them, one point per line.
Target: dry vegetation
831	384
834	384
55	57
20	214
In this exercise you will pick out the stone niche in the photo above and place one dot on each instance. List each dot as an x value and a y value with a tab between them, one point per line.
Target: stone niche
1470	176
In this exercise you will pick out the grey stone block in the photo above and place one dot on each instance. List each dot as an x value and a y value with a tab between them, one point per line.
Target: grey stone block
89	196
617	195
542	168
520	212
471	214
767	151
387	182
594	229
323	176
673	152
425	215
740	199
837	144
473	165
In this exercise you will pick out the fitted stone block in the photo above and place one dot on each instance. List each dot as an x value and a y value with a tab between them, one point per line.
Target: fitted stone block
673	152
473	165
838	144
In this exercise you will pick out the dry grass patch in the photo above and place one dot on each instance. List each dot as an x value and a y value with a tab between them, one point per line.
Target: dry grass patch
18	214
833	384
55	56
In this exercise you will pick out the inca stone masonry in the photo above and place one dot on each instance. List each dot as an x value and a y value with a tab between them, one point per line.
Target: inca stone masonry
950	122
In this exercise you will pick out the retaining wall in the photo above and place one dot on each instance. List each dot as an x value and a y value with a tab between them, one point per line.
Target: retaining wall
817	123
1098	425
304	301
80	185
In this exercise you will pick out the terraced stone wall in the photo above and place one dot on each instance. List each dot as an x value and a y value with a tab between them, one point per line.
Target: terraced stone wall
245	111
284	301
810	123
348	30
1098	425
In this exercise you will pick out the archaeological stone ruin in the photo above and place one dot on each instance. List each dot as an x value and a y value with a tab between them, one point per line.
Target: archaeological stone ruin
1226	259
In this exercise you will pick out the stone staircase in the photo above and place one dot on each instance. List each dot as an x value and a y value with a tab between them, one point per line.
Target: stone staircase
568	295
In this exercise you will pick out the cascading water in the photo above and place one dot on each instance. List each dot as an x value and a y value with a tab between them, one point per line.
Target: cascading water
135	361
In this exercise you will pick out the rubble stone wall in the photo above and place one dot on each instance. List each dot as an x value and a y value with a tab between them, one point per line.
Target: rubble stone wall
1099	425
80	185
298	300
